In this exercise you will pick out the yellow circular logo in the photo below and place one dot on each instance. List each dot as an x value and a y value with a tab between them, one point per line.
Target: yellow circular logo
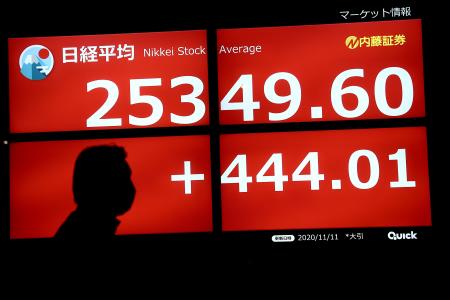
352	42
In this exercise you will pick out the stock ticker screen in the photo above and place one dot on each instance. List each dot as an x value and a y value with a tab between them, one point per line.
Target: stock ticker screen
304	132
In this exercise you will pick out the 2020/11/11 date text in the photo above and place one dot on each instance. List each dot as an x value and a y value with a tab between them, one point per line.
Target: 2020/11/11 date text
317	237
275	162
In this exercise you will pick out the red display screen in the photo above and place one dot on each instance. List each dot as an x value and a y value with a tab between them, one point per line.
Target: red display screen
310	73
325	179
41	185
108	81
67	93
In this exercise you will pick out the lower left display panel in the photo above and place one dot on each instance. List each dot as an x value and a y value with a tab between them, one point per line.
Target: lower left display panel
152	185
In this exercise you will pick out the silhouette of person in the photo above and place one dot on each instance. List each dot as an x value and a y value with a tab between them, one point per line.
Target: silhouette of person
102	189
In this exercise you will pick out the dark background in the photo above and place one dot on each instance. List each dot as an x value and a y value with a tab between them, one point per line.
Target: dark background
73	18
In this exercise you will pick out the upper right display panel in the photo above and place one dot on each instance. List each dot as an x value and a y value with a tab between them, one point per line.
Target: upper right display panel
332	72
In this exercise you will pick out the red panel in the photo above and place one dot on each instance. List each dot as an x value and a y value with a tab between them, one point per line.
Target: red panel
297	206
316	55
61	102
41	185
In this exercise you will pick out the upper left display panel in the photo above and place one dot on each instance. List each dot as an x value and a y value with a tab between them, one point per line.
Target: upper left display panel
114	81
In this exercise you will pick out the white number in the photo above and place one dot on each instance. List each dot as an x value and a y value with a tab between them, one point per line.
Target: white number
407	91
294	97
380	93
242	179
337	91
248	105
353	169
199	105
97	120
113	94
400	157
278	178
136	97
314	177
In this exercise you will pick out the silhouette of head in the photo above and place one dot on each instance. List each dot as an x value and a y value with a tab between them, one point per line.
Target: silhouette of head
102	181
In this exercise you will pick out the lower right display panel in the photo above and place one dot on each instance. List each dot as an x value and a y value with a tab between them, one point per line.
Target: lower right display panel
354	178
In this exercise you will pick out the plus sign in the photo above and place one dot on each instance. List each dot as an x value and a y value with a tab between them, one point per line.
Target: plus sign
187	177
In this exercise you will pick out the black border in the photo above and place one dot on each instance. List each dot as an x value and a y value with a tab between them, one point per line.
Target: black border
98	21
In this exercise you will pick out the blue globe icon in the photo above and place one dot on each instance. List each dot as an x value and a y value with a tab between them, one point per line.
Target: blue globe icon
36	62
